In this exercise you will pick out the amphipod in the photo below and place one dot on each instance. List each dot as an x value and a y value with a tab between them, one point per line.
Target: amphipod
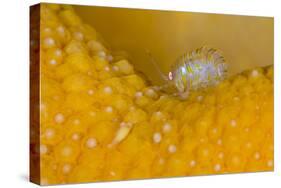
201	68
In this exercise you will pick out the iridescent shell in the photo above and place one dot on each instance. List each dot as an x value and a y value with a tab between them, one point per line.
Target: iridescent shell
200	68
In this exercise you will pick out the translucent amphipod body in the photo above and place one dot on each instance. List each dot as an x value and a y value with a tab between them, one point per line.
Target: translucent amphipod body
201	68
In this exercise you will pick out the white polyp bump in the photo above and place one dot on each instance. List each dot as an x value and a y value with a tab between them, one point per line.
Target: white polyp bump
270	163
43	149
49	133
112	173
221	155
161	161
66	168
49	42
58	52
75	136
217	167
107	69
59	118
60	29
172	148
91	143
138	94
192	163
53	62
257	155
123	124
159	115
167	127
109	109
157	138
219	142
233	123
90	92
107	90
42	106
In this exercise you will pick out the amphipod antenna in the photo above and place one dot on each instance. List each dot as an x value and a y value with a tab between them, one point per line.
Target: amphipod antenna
163	76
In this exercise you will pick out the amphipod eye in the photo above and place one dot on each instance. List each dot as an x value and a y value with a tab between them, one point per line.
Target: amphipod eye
170	76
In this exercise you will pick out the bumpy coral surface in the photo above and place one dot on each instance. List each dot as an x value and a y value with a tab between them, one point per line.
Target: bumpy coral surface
100	120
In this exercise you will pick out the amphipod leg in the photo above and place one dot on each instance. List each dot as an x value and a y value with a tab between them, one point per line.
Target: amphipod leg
122	133
160	88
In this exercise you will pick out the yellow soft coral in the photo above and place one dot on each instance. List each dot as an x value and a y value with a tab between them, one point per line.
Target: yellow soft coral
100	120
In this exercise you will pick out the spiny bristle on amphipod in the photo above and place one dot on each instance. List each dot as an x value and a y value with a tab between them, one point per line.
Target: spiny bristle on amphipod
200	68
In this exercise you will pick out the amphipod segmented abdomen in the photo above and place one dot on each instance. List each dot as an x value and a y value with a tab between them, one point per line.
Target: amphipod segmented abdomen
198	69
